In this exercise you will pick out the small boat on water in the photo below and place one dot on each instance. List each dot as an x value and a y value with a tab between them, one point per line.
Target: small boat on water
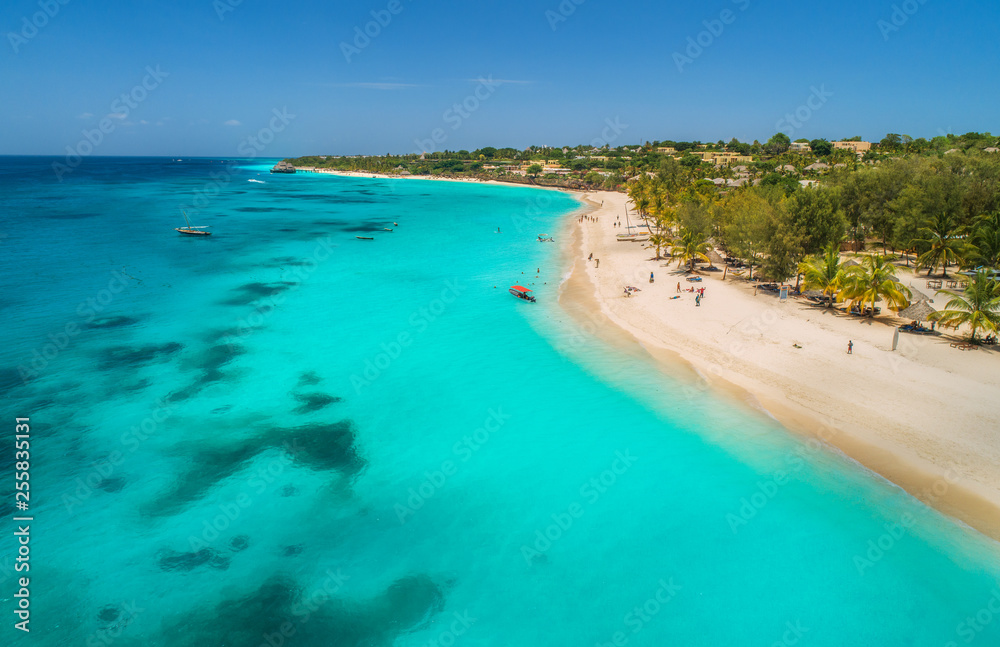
521	292
545	238
387	229
364	237
190	230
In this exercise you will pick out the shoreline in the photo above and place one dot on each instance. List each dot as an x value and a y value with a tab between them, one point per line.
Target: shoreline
435	178
959	479
954	483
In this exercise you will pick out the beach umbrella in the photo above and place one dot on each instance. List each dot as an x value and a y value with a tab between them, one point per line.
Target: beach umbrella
917	311
714	257
917	295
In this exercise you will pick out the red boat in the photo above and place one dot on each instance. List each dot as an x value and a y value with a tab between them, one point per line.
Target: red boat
521	292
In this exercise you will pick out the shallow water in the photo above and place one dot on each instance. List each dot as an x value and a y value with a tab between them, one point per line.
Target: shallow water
372	442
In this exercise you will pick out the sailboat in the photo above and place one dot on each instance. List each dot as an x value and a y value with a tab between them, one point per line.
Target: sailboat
192	230
630	237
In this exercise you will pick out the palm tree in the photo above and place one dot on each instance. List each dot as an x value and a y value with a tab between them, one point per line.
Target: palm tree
659	241
987	239
824	273
690	247
944	240
978	305
874	279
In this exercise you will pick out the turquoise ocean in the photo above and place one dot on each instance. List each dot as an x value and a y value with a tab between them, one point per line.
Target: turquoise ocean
284	435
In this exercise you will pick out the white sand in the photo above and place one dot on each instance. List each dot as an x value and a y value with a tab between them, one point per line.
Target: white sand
924	416
384	176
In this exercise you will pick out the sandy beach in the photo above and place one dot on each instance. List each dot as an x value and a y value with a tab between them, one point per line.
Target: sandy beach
923	416
384	176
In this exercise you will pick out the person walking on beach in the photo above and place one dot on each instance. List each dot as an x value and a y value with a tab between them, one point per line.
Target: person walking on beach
850	347
591	257
697	300
678	287
598	261
650	277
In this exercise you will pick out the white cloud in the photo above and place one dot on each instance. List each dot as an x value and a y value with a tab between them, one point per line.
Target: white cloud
86	115
143	122
232	122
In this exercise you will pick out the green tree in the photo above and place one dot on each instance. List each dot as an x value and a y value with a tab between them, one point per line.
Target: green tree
874	280
778	144
944	243
690	162
816	213
987	240
891	142
746	225
534	170
977	306
821	147
824	272
659	241
690	247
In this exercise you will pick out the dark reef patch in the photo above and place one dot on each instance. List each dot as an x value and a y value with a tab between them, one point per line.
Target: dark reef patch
117	356
109	613
314	401
118	321
361	228
292	551
205	469
10	378
112	485
249	293
341	621
322	446
172	560
287	261
186	393
239	543
41	405
309	378
225	334
138	385
218	356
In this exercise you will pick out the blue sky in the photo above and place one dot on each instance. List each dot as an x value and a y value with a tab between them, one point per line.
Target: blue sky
557	71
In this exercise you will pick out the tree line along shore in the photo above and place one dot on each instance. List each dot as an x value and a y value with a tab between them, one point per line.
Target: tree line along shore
783	209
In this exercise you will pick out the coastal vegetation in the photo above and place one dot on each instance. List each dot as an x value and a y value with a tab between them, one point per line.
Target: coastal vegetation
977	306
785	210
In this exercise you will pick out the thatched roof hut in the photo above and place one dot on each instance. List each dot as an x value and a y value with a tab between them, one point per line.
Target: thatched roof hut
918	311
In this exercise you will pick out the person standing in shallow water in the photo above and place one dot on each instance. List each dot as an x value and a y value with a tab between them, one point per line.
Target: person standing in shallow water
850	347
